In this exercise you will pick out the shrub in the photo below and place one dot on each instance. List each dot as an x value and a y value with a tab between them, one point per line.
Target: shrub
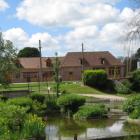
21	101
135	114
38	108
3	98
70	102
131	104
136	80
91	111
123	88
110	86
95	78
33	127
38	97
12	116
51	103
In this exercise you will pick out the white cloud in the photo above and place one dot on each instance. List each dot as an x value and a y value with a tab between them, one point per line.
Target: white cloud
21	39
18	36
127	14
66	12
97	23
3	5
82	33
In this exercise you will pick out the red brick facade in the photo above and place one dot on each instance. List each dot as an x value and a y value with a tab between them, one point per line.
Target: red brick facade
70	66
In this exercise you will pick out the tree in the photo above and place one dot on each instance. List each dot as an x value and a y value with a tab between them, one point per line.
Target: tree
8	59
29	52
56	67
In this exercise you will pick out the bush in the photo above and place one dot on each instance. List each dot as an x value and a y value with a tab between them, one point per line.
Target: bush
16	124
123	88
131	104
70	102
110	86
21	101
51	103
95	78
135	114
90	111
33	127
3	98
38	108
136	80
38	97
12	116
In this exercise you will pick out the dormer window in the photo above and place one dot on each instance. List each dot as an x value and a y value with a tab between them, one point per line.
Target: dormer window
48	62
81	61
102	61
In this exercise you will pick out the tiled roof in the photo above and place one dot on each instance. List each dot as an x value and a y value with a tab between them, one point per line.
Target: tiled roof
92	58
72	59
34	62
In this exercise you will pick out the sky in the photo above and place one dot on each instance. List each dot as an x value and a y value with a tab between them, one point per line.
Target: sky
63	25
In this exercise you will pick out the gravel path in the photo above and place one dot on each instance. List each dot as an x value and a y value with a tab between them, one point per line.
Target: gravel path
109	97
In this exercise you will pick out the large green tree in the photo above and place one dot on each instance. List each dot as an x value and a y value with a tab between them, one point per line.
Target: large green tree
29	52
8	59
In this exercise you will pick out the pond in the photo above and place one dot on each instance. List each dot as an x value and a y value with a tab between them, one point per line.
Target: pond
59	128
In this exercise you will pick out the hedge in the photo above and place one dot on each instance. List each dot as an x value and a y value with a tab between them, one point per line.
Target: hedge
91	111
95	78
70	102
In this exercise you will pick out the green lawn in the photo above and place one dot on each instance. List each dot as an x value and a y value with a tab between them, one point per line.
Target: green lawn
71	87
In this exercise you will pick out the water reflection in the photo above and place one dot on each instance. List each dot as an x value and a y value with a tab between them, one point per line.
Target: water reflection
65	129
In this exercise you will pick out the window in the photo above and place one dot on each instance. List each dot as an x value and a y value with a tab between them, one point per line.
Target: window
81	61
102	61
111	71
30	74
70	73
48	62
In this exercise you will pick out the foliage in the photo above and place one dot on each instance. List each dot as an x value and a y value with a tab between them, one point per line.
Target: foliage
38	108
12	116
90	111
51	102
33	127
38	97
110	85
70	102
16	124
29	52
132	105
7	60
21	101
95	78
123	87
135	114
135	80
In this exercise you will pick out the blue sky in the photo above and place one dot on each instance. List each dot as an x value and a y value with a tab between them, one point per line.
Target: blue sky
62	25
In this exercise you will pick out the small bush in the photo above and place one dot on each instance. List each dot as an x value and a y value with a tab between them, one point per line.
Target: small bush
123	88
131	104
135	80
95	78
70	102
110	86
38	97
12	116
3	98
33	127
135	114
39	108
90	111
21	101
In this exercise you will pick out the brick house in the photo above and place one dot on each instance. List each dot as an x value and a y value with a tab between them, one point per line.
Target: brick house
70	66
